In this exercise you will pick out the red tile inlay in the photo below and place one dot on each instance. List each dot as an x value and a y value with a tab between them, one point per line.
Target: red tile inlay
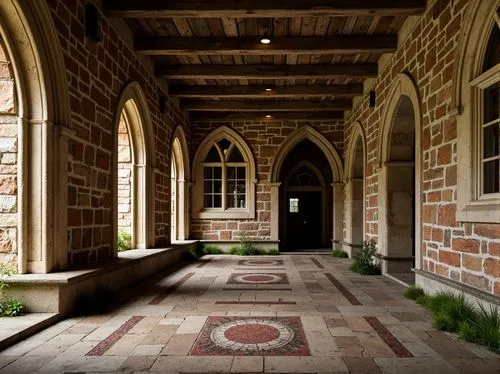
317	263
261	262
344	291
233	302
255	289
203	263
389	339
251	336
158	299
107	343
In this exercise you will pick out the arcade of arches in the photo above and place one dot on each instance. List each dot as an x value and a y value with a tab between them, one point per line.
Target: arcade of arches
118	130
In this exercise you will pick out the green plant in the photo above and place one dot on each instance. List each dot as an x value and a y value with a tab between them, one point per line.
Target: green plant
414	293
273	252
364	260
211	249
339	253
124	241
484	329
450	311
235	250
247	247
8	307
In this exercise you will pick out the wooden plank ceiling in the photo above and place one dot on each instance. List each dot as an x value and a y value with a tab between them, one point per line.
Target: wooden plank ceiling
211	54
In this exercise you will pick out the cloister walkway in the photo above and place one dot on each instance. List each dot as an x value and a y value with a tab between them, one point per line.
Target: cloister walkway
283	314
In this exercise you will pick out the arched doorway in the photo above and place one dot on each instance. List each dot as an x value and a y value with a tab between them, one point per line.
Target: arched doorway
35	121
399	186
306	180
281	167
355	192
134	189
179	171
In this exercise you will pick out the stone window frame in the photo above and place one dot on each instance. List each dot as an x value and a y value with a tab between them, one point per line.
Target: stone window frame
468	82
199	212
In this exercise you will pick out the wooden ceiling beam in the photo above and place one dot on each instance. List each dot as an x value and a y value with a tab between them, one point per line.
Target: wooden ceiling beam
320	71
345	44
260	116
261	8
265	105
248	92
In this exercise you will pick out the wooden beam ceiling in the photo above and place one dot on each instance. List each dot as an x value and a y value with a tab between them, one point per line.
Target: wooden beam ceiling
266	105
260	116
249	92
347	44
267	71
261	8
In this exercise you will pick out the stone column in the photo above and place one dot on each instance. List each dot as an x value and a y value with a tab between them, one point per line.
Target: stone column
338	212
275	208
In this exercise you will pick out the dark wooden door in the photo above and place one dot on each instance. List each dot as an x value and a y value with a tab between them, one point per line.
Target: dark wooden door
303	223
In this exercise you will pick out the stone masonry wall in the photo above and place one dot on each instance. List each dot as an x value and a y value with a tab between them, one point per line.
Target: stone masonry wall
97	73
264	139
468	253
8	162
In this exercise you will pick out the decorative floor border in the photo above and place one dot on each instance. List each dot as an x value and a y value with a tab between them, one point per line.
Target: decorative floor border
107	343
389	339
236	302
317	263
343	290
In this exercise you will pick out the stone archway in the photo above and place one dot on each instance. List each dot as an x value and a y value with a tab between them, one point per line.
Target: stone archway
335	164
43	119
133	113
355	191
399	162
179	186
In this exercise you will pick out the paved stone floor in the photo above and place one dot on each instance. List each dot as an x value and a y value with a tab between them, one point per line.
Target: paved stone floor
287	314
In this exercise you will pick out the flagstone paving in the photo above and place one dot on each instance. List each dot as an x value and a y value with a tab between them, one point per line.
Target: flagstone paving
225	314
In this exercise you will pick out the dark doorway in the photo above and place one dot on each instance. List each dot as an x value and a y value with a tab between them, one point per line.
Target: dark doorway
305	199
303	220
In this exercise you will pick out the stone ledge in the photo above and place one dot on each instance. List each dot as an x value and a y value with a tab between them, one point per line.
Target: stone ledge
58	292
438	283
15	329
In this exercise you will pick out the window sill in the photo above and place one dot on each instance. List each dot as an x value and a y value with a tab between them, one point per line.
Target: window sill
480	212
228	214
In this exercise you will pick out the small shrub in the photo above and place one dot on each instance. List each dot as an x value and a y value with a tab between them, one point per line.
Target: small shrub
450	311
252	251
339	253
423	300
211	249
364	260
124	241
484	329
414	293
236	251
8	307
273	252
247	247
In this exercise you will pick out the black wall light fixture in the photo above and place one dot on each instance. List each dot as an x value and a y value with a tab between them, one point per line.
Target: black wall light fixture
372	99
92	24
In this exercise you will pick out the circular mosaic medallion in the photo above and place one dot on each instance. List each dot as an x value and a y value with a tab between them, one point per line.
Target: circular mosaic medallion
261	262
252	335
258	278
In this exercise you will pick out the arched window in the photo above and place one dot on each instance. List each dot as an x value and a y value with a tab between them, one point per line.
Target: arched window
225	177
487	118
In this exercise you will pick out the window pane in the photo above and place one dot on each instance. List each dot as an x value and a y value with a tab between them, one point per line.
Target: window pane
491	173
235	156
491	141
231	187
492	56
241	187
207	173
207	201
217	186
293	205
217	201
231	173
241	201
242	173
213	155
208	187
491	103
224	145
217	172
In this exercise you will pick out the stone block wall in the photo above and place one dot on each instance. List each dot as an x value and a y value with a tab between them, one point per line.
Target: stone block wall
97	73
8	162
264	139
464	252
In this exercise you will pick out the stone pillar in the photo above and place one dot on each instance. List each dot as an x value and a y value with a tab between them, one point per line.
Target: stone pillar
275	209
338	213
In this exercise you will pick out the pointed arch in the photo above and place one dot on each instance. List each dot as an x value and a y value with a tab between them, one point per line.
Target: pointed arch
133	105
180	185
357	134
309	133
199	211
43	116
403	91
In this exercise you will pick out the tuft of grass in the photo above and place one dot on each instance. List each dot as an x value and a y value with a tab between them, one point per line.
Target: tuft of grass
252	251
450	311
339	253
484	329
124	241
414	293
210	249
273	252
364	261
